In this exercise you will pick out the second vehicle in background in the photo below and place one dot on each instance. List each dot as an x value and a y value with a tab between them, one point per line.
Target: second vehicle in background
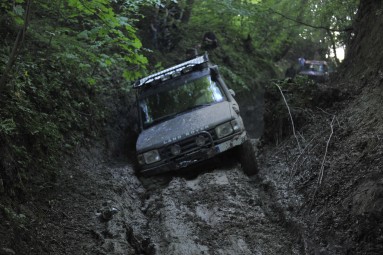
316	70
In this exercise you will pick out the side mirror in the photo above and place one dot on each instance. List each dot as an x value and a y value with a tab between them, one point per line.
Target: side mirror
232	92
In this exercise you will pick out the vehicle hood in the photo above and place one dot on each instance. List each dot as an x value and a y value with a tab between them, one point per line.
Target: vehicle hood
184	125
312	73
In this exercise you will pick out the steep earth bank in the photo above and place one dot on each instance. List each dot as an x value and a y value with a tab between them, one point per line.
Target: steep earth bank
323	196
101	207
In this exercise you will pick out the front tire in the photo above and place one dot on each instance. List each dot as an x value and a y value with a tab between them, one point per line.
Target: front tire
247	158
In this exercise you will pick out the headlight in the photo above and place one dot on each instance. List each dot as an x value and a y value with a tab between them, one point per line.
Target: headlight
235	125
149	157
224	130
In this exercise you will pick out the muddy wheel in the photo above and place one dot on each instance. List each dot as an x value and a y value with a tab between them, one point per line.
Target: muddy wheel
247	158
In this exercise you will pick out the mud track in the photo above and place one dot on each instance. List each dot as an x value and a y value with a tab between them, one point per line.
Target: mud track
105	209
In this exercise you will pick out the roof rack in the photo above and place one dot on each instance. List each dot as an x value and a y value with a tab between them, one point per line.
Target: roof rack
315	61
177	69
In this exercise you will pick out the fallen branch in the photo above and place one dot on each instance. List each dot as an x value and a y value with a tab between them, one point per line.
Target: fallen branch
321	171
325	154
291	117
292	172
294	168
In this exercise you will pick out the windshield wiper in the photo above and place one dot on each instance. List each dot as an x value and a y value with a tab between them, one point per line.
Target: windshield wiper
196	107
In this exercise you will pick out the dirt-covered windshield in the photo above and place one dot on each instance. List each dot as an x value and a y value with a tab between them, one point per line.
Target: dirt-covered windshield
316	67
177	99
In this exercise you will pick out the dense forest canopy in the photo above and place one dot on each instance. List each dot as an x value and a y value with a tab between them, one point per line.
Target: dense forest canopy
273	34
57	58
277	27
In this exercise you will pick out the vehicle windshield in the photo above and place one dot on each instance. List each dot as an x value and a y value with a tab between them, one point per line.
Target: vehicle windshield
178	99
315	67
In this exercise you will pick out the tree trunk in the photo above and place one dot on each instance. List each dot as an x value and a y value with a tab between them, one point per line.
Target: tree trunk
16	47
333	46
364	53
282	53
187	11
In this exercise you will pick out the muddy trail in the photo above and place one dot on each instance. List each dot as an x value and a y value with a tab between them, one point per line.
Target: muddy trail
100	206
103	208
322	197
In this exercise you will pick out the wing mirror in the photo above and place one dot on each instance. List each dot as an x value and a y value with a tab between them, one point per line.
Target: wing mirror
232	92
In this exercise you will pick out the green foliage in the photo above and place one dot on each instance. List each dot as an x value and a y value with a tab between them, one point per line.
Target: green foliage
13	10
7	126
300	97
235	80
278	27
243	65
72	52
101	38
42	113
301	92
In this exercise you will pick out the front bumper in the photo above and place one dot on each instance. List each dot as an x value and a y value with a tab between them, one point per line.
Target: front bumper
196	156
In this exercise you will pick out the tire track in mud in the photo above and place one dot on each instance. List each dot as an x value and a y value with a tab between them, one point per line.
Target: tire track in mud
215	211
218	212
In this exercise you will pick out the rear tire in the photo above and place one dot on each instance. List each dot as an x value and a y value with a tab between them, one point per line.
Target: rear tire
247	158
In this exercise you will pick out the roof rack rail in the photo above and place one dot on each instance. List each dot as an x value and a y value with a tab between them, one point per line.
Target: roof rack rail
172	70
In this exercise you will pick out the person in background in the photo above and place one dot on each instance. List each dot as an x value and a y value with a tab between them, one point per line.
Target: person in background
154	30
301	62
290	72
209	41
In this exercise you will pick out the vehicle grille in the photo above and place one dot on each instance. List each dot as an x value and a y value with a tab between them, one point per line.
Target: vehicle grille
189	145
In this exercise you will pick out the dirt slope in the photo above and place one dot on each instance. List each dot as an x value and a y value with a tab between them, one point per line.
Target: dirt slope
99	206
338	171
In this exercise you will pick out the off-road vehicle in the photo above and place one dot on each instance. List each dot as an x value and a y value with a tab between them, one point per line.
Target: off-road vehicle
316	70
187	115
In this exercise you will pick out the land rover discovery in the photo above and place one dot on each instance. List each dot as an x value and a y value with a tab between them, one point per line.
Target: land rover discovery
187	115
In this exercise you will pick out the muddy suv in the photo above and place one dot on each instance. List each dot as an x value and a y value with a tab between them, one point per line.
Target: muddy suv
316	70
187	115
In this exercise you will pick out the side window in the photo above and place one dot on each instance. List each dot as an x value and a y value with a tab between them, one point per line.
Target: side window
207	91
216	92
145	112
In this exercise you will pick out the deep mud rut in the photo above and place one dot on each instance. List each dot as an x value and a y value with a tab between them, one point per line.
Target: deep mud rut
104	208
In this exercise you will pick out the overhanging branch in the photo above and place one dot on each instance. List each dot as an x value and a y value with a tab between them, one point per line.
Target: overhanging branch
310	25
